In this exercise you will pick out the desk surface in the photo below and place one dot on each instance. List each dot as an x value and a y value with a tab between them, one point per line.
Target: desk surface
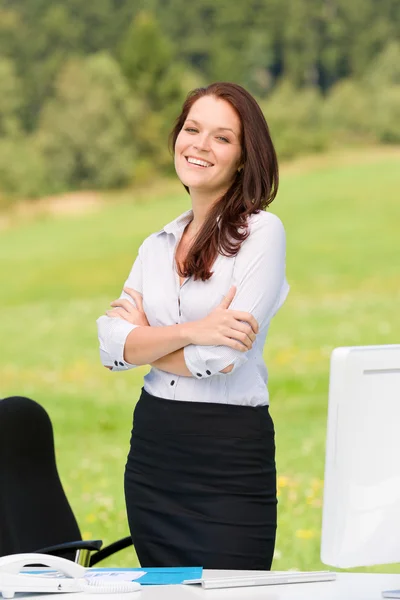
348	586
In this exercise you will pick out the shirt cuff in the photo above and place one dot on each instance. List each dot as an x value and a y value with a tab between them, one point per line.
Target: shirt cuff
206	361
112	334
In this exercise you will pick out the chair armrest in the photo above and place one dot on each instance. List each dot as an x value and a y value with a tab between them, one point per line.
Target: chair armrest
110	549
60	549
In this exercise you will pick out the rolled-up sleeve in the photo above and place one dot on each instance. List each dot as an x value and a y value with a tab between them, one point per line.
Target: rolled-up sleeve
261	289
205	361
112	332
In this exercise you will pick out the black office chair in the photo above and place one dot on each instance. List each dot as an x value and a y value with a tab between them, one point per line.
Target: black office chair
35	515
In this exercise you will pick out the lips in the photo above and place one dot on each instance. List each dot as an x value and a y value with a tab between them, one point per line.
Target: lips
198	162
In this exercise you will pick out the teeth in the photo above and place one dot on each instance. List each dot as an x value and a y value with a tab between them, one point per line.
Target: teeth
196	161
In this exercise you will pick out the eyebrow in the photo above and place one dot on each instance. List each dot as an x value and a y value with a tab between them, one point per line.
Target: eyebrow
218	128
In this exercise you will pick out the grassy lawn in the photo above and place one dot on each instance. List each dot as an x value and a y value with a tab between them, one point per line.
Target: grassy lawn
342	216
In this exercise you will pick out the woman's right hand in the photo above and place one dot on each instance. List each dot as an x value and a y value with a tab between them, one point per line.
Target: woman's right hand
223	327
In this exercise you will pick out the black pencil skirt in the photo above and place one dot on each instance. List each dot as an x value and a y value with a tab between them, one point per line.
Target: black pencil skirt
200	484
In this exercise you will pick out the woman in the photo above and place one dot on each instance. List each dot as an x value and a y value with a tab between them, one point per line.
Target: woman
200	480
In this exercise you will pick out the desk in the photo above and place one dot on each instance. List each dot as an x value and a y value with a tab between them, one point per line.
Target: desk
348	586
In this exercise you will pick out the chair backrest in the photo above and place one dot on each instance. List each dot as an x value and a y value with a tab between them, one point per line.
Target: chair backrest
34	510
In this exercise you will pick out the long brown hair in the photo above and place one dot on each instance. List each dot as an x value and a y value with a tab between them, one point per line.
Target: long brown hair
253	189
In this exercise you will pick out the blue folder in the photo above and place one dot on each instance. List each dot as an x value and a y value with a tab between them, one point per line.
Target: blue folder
162	575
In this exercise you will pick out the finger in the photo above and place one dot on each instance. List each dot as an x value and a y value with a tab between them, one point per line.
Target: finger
232	343
228	298
238	336
241	337
123	303
245	316
244	328
117	313
137	297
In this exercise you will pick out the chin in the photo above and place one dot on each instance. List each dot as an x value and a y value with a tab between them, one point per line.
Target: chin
192	180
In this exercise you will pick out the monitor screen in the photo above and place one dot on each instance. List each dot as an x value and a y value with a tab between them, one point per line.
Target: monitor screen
361	507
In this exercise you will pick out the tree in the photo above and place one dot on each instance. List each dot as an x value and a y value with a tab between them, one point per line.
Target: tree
295	120
23	172
382	83
384	70
10	99
148	60
87	132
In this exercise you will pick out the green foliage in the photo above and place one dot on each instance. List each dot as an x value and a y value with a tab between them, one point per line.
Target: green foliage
326	73
386	119
40	36
253	42
382	83
87	132
257	41
295	120
354	111
23	171
148	60
347	111
10	99
385	68
369	108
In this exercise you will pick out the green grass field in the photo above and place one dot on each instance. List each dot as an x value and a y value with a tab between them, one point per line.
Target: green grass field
58	274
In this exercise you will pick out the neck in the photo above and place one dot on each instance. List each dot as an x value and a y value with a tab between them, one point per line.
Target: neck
202	203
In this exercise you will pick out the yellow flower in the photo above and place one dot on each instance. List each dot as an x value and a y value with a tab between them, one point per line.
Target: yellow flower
282	481
87	535
305	534
91	518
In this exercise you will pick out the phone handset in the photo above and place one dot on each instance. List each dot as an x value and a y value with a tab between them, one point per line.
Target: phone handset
73	580
15	562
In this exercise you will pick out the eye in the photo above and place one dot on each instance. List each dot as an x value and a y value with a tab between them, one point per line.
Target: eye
191	130
223	139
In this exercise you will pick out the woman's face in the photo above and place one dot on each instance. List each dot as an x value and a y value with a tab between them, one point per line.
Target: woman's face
208	147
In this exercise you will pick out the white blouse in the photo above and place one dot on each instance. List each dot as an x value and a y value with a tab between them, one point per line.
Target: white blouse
257	271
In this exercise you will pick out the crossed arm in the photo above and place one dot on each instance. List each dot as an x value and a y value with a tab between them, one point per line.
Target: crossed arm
217	343
175	363
163	347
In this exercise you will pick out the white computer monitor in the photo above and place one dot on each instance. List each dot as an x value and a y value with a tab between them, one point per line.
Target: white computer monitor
361	506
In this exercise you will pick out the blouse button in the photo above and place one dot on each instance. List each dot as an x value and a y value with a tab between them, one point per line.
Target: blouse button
172	382
208	372
121	364
116	363
199	375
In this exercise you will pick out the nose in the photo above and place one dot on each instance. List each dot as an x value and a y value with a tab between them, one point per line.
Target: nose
202	143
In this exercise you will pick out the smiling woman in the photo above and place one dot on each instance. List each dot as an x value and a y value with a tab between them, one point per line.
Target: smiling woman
200	480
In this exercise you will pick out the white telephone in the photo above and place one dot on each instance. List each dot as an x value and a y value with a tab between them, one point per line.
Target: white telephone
72	578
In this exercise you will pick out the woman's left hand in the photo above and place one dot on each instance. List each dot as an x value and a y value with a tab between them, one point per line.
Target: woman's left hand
124	309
